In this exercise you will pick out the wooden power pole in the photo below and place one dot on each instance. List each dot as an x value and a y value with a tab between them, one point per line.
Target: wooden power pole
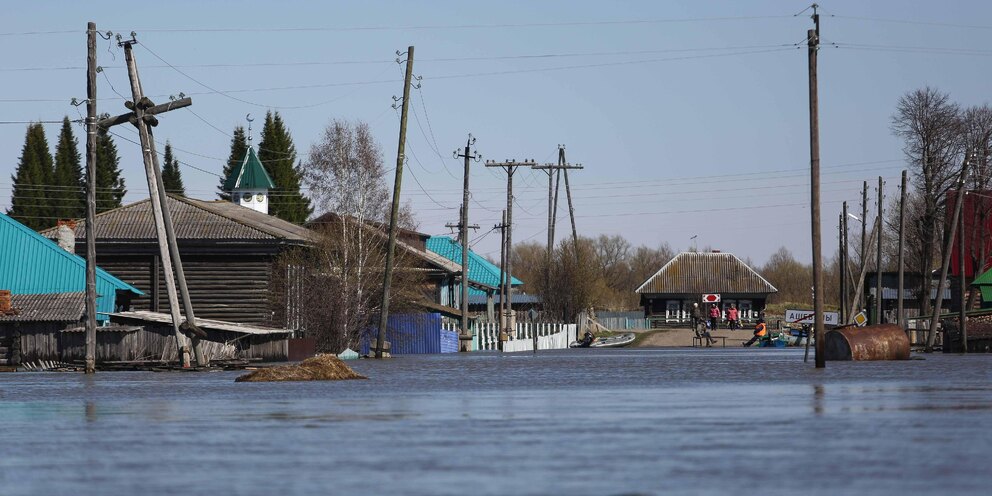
90	198
502	280
863	256
552	170
510	166
900	319
840	264
878	256
465	337
813	42
962	288
941	284
142	116
394	212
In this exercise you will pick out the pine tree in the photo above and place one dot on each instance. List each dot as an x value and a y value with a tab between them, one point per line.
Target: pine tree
110	188
172	178
278	156
239	147
32	180
67	198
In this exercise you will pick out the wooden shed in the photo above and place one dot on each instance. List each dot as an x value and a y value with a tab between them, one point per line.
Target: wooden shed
668	295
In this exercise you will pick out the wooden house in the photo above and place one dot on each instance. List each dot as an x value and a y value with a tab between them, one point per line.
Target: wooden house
668	295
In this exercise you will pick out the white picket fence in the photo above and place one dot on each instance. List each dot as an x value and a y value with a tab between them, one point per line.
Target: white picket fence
549	336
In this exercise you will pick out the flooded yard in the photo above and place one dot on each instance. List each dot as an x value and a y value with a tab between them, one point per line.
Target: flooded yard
640	421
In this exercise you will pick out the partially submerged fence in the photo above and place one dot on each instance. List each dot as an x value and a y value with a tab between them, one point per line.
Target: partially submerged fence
549	336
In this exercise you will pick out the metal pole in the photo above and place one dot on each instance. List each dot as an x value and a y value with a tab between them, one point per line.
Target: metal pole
90	198
878	257
814	151
900	318
395	211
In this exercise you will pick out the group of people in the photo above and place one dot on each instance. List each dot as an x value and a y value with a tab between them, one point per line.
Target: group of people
702	327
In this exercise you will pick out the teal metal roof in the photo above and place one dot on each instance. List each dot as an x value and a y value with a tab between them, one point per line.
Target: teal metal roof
480	270
32	264
249	174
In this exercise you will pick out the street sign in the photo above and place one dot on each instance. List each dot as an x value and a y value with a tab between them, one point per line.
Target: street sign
861	319
806	317
711	298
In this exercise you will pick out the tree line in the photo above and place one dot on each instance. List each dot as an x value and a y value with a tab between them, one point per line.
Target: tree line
49	187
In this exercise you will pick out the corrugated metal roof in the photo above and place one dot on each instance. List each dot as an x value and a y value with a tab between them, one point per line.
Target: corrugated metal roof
33	264
192	219
480	270
49	307
249	174
220	325
699	273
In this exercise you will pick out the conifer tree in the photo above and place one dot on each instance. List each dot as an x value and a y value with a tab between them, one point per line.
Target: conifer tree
67	195
278	156
32	180
239	147
110	188
172	178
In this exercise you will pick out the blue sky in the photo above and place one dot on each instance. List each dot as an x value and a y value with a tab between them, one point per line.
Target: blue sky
692	121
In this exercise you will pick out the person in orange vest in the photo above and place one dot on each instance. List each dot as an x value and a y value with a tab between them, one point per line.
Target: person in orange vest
760	330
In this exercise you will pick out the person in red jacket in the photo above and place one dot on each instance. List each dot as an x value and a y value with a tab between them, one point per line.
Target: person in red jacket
714	316
733	317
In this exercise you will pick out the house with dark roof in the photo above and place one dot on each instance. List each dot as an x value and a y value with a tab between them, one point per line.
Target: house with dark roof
227	251
668	295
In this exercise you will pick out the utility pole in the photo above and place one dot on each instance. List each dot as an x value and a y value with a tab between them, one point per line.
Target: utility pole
900	319
962	317
142	116
510	166
90	198
552	170
878	256
465	338
502	280
863	256
395	210
932	336
845	266
840	264
813	41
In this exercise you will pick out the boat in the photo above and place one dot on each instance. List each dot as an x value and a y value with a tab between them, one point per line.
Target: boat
614	341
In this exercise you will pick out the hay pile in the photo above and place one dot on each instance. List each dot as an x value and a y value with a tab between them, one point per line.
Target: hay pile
318	368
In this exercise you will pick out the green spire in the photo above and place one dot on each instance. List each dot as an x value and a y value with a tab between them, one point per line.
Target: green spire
249	174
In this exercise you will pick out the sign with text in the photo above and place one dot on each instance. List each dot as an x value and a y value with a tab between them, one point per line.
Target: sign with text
711	298
806	317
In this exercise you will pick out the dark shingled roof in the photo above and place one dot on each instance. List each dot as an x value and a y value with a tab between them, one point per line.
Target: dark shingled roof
50	307
699	273
193	219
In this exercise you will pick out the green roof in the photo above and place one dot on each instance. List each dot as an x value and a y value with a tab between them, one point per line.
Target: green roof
480	270
33	264
249	174
983	280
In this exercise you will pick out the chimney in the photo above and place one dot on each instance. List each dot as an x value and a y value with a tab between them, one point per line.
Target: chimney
5	302
66	235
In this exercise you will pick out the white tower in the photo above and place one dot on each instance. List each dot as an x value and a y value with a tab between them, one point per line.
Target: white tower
249	183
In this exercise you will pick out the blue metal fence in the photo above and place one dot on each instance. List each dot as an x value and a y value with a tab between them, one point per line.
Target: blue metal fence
414	333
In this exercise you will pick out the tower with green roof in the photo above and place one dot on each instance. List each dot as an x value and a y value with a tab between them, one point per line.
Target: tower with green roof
249	183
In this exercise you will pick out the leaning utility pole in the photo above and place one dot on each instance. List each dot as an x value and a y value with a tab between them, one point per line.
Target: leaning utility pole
939	300
878	257
394	212
465	338
813	41
902	247
551	169
510	166
91	197
142	116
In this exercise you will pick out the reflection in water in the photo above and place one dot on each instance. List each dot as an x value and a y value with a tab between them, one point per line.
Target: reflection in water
571	422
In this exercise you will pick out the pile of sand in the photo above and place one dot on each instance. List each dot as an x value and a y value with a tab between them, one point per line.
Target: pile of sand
318	368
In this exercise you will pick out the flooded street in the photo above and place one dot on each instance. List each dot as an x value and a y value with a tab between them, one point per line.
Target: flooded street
640	421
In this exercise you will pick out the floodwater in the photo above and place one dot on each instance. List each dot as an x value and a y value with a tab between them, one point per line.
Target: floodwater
639	421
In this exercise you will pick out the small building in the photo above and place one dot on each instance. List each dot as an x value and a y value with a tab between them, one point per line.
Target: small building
31	264
484	278
668	295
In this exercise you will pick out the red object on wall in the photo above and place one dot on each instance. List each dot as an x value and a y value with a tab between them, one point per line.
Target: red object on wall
977	210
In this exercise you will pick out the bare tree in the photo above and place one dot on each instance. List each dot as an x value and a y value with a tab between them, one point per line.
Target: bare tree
929	124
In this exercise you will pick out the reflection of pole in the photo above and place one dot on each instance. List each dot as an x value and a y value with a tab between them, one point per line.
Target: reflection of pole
395	211
939	300
91	198
902	247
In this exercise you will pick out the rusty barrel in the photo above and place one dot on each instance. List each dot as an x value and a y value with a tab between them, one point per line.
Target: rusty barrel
877	342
